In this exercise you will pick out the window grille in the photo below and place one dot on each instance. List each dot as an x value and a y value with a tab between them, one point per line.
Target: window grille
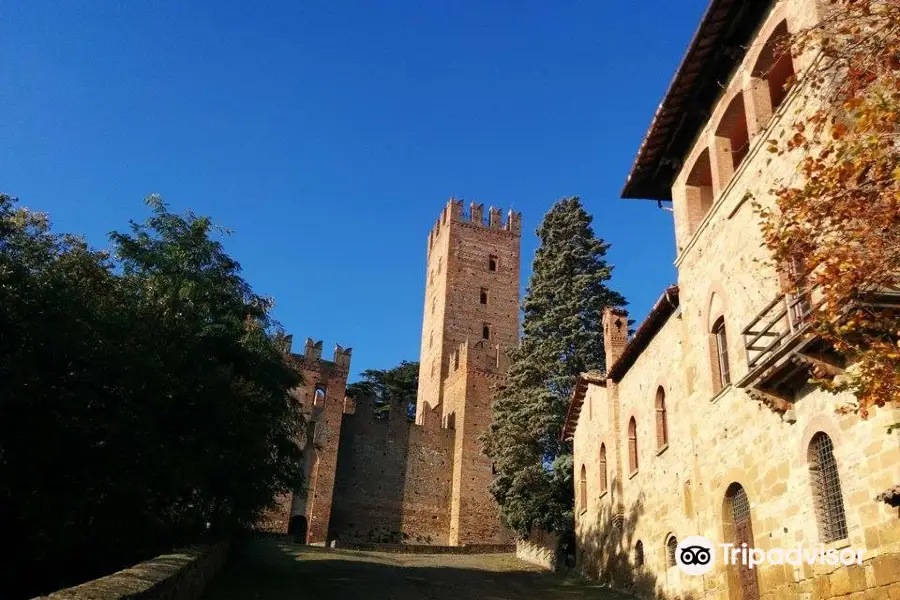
740	506
671	549
826	484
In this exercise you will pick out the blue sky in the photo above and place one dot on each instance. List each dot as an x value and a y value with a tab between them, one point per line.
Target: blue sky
328	134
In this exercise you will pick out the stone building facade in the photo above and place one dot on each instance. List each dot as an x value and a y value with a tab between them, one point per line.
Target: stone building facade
375	477
705	423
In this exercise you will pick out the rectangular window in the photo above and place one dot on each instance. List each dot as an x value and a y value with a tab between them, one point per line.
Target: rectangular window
492	263
484	294
486	331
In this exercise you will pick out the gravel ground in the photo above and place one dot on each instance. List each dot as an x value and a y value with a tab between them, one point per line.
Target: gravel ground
274	570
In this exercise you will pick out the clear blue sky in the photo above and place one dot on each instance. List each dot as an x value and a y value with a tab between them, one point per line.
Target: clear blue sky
329	134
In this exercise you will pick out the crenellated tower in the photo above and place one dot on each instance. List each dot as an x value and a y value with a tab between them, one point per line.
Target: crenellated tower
471	318
471	292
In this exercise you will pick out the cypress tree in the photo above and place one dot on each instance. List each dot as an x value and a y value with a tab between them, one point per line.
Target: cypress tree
561	338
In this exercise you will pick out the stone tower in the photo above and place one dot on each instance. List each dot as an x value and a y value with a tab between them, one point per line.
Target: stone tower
471	292
471	317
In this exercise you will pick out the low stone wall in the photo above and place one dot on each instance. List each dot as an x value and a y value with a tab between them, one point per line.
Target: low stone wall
425	549
181	575
539	549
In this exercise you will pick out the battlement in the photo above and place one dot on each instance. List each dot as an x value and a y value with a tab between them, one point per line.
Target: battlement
312	351
454	211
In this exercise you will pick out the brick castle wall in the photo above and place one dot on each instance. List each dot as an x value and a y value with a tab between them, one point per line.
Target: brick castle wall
392	482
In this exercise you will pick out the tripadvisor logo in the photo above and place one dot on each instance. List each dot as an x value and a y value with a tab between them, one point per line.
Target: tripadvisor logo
696	555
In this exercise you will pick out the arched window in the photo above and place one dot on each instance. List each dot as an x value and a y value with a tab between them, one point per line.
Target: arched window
733	136
632	446
826	488
698	191
738	530
775	65
721	368
603	480
662	428
671	550
582	489
639	554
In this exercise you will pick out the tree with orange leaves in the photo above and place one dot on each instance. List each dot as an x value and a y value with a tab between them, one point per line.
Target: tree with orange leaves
840	228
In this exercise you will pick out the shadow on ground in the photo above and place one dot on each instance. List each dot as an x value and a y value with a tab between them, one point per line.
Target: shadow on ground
266	569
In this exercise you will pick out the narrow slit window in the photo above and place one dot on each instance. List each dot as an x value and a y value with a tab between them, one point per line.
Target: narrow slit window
632	446
603	479
721	341
492	263
483	297
486	331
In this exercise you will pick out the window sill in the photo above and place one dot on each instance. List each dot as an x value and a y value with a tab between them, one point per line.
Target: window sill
633	473
838	544
721	393
663	448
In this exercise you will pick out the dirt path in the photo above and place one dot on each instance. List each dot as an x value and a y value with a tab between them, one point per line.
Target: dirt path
272	570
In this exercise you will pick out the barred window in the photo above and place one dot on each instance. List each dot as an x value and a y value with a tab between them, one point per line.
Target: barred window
671	549
639	554
826	488
632	446
662	427
603	478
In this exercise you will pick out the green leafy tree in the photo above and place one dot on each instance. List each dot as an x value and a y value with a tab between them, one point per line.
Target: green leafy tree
561	339
396	386
144	399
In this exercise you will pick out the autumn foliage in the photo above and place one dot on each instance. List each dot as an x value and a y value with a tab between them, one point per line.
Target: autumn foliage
838	230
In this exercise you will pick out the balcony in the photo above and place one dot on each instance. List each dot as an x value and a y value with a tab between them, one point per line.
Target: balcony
783	352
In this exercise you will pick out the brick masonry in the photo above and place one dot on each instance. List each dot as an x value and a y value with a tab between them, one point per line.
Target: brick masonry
307	512
388	481
719	438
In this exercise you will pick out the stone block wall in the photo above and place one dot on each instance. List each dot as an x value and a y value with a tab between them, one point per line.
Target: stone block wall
541	548
719	437
182	575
